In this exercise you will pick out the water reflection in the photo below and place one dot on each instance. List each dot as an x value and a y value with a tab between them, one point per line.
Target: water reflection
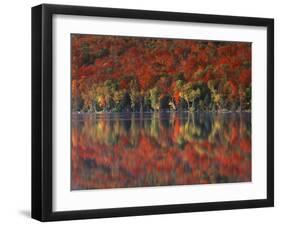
154	149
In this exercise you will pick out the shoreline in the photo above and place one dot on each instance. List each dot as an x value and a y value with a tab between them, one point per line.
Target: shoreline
158	112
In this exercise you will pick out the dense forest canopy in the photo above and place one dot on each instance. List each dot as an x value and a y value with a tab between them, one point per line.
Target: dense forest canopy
122	74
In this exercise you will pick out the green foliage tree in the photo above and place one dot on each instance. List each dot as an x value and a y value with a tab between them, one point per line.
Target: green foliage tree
154	95
118	96
189	94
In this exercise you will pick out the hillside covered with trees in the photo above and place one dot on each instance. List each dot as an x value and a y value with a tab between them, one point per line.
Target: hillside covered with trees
133	74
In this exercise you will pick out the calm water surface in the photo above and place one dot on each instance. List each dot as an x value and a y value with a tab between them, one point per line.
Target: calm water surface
113	150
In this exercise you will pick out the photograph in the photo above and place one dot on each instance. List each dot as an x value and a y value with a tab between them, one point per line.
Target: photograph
141	112
150	111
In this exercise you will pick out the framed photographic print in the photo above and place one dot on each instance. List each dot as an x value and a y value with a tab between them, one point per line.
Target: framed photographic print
145	112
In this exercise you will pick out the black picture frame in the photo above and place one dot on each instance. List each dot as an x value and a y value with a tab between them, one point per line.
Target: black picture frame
42	107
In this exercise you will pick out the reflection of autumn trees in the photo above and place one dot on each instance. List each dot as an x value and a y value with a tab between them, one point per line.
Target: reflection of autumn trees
160	149
121	74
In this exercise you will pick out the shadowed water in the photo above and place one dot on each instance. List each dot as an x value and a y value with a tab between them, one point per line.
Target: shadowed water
118	150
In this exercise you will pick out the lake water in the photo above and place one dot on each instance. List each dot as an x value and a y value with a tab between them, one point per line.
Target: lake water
114	150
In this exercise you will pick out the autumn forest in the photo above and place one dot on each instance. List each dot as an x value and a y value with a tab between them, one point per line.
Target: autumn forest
122	74
159	112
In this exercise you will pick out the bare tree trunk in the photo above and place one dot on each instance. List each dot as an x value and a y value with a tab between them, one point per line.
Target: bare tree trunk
240	102
187	105
94	107
173	103
141	105
240	99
